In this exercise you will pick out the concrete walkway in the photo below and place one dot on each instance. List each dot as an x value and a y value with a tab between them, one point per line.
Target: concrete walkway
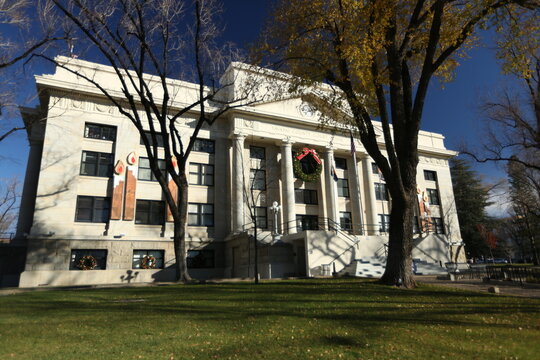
505	287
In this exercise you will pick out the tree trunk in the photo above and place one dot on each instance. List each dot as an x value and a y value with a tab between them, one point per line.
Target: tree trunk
180	218
399	263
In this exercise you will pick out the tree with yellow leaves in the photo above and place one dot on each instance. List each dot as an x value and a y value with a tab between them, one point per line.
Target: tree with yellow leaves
380	56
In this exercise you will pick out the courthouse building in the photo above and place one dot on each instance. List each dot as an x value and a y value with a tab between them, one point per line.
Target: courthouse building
320	207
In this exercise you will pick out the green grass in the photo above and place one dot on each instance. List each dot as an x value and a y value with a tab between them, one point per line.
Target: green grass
301	319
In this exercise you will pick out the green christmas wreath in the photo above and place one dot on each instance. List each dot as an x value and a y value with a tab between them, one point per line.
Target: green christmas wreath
87	262
148	262
307	166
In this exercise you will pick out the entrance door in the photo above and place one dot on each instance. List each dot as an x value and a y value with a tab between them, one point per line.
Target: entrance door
307	222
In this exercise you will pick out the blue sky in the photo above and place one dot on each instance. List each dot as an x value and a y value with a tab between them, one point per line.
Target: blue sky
451	110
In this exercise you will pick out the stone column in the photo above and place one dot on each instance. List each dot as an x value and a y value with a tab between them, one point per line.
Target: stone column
287	178
238	183
356	198
371	202
331	186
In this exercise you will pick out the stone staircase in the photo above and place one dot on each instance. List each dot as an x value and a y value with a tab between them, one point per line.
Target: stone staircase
368	267
422	267
373	267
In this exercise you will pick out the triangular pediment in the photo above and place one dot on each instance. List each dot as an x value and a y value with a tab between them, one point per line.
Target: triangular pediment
293	107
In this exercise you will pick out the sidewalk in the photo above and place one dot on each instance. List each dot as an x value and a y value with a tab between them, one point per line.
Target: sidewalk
505	287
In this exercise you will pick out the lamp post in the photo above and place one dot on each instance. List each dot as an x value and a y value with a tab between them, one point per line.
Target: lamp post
275	208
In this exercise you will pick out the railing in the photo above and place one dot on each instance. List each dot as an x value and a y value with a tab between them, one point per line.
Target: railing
514	273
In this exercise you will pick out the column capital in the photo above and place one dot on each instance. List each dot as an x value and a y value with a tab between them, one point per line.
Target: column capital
286	141
237	135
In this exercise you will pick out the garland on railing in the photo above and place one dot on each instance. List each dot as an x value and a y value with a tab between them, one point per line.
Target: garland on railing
297	165
87	262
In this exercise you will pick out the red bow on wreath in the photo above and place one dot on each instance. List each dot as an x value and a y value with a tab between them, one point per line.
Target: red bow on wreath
306	151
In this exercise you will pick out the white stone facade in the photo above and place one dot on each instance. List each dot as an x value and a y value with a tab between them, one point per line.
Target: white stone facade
52	205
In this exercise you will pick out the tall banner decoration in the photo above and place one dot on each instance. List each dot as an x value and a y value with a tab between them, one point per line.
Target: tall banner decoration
118	190
131	187
426	224
172	188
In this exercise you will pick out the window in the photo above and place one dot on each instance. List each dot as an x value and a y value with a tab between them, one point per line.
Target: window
99	261
438	225
341	163
257	152
96	164
343	187
305	196
307	222
139	256
145	173
257	179
92	209
430	175
345	220
433	196
159	139
381	193
150	212
374	168
260	215
101	132
204	145
200	214
201	174
384	223
200	259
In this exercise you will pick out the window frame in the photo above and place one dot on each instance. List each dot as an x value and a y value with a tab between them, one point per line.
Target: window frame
98	165
349	225
159	138
312	222
162	165
252	148
257	176
433	194
301	196
384	223
152	204
200	214
379	195
341	189
101	128
160	261
101	261
199	147
430	175
438	225
200	175
259	217
341	163
93	209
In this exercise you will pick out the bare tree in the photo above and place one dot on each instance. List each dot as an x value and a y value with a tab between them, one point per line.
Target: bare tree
8	204
147	43
28	26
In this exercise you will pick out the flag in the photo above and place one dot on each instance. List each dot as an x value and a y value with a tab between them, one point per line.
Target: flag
353	146
333	172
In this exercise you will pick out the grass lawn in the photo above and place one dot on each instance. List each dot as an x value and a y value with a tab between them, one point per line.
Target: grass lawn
300	319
